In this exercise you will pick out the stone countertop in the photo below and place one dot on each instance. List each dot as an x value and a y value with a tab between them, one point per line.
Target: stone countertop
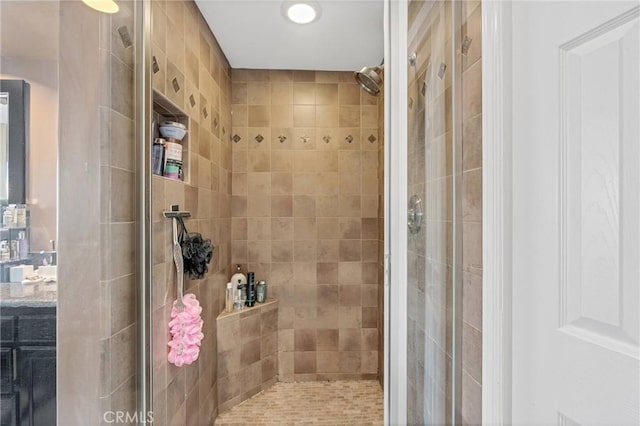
17	295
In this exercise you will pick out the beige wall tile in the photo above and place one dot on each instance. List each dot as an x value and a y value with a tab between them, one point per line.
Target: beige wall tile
281	75
239	115
327	250
350	250
327	273
282	93
304	362
281	251
349	361
282	161
239	93
369	317
304	340
349	339
282	116
349	116
304	93
327	116
282	228
258	93
282	205
304	115
258	115
349	94
351	295
326	94
304	76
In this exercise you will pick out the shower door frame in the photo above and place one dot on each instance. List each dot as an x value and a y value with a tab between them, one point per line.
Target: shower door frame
395	214
496	212
144	236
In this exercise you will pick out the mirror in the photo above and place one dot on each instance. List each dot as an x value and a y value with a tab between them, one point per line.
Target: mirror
14	133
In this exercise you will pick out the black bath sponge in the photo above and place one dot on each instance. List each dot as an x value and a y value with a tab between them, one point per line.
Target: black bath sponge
196	252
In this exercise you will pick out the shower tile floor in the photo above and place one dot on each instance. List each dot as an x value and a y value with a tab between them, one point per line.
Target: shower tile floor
318	403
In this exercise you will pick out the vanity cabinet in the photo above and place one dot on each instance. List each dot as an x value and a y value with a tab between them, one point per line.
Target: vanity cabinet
28	366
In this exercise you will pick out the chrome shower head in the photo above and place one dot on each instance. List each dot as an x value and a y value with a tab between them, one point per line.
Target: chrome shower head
369	79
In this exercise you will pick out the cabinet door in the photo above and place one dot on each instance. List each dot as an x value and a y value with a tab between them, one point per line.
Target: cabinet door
36	385
8	410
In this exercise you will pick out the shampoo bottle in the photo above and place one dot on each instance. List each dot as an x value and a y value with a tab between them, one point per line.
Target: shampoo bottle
239	281
251	289
238	278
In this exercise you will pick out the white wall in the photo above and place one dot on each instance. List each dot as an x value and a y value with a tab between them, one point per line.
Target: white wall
28	51
42	144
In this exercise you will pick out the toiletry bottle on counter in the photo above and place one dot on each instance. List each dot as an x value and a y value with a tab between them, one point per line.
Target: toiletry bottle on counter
251	289
8	217
23	245
21	216
261	291
5	253
13	249
238	303
228	306
239	280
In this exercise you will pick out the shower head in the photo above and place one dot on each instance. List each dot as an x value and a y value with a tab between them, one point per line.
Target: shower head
369	79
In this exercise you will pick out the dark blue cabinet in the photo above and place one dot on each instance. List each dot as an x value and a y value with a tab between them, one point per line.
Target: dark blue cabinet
28	366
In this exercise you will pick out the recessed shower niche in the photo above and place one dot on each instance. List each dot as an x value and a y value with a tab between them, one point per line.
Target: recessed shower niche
169	152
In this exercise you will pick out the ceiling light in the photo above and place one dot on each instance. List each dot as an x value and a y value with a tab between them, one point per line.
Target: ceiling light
104	6
301	12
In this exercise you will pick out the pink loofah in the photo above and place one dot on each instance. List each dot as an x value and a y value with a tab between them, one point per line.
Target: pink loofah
186	332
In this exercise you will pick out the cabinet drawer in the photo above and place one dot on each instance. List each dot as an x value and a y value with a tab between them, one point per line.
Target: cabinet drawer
37	328
6	328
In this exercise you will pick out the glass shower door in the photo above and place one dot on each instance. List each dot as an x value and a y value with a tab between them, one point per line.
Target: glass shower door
433	279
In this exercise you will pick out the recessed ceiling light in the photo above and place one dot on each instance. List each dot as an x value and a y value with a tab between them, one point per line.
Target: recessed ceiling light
104	6
301	12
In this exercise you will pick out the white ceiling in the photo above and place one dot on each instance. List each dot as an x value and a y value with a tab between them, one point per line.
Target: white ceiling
254	34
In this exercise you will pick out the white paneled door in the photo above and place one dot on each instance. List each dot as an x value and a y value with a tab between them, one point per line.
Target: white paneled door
576	213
